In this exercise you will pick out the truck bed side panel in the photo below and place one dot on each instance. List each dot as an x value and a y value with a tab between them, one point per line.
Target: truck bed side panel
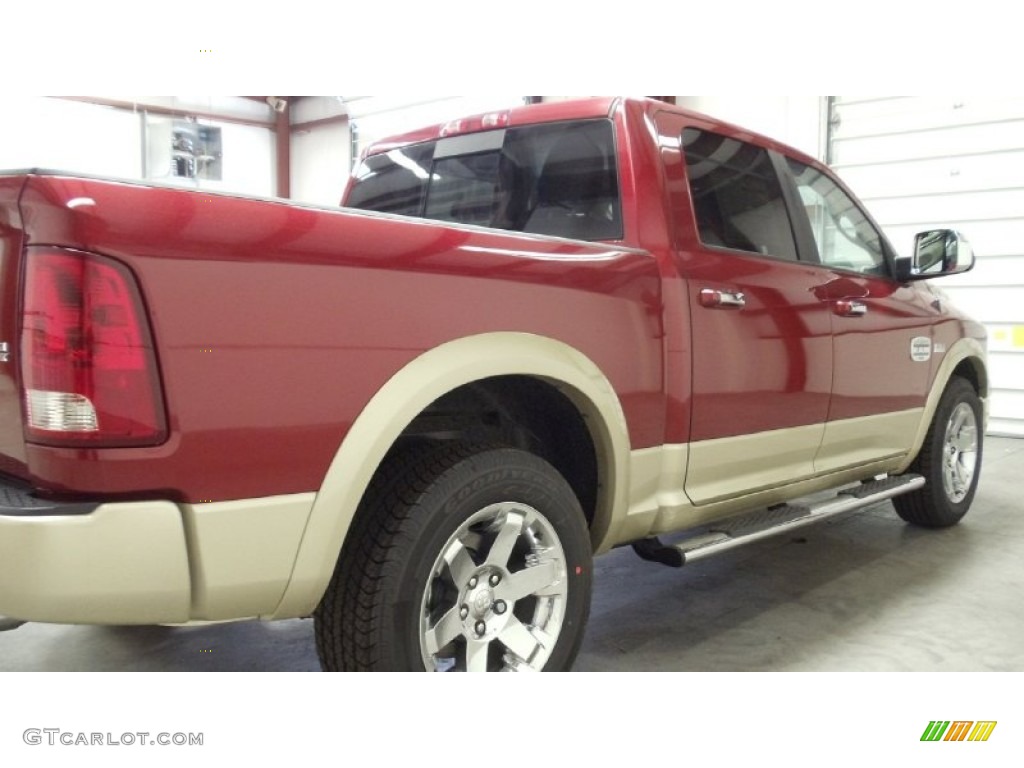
275	324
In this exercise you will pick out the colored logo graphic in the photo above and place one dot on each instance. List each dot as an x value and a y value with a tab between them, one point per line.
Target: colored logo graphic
958	730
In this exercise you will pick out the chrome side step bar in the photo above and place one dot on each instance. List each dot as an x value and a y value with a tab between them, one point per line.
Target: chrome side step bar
735	532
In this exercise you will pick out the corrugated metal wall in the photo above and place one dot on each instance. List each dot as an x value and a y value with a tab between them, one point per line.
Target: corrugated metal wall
929	162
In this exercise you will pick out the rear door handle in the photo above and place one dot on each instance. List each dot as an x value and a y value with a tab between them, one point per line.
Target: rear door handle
711	298
850	308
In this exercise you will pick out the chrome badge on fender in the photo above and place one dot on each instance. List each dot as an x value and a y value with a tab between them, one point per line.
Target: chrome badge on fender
920	349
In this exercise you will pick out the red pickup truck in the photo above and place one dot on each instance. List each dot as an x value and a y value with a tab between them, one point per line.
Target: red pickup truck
527	338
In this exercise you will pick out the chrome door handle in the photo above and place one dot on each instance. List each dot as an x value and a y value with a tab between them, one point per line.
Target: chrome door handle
709	297
850	308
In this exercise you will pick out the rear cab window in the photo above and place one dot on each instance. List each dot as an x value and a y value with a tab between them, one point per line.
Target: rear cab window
557	179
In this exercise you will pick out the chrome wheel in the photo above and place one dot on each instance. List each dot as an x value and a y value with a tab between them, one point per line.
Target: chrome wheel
959	453
949	460
496	594
462	557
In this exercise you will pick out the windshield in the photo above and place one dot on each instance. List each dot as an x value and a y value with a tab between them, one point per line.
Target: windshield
551	179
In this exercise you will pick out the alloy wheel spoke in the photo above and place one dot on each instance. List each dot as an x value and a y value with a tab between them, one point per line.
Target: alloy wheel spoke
963	475
967	440
956	421
476	655
442	633
506	539
460	563
530	581
520	640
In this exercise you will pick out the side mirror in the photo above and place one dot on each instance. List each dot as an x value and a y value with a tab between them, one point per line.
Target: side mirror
937	253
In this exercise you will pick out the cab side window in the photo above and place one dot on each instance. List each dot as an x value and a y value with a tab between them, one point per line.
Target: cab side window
393	182
736	196
845	238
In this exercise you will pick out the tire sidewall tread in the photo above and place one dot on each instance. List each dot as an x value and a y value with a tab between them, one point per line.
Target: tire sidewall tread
369	616
929	506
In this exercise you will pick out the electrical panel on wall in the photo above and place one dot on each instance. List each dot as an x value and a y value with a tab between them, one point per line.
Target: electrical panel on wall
183	151
196	151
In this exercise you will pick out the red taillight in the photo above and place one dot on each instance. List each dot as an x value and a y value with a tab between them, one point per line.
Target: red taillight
89	374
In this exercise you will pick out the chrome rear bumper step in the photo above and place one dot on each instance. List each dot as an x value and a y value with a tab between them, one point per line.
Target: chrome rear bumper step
737	531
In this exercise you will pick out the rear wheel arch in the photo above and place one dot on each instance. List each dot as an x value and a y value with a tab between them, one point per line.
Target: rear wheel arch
517	411
485	364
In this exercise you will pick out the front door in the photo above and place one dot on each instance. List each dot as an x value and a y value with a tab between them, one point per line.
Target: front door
882	330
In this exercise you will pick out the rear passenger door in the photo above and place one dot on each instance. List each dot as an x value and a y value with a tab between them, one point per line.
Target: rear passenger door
760	329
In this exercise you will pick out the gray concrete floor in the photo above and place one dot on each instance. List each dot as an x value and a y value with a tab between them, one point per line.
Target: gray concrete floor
862	593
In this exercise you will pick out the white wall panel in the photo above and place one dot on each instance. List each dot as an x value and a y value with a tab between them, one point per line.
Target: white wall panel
249	160
319	151
66	135
957	162
943	175
108	141
1007	365
311	108
320	164
988	304
995	205
225	106
1006	412
900	147
988	272
887	115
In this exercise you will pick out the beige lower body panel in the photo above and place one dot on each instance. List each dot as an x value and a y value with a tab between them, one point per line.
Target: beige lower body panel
123	563
243	553
720	468
675	487
151	562
851	442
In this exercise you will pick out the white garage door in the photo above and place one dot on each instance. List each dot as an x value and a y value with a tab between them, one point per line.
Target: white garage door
930	162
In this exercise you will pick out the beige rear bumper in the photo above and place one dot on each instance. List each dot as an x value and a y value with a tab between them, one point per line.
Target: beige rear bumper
124	563
152	562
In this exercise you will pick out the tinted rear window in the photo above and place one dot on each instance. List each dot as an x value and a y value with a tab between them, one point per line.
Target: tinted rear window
736	195
552	179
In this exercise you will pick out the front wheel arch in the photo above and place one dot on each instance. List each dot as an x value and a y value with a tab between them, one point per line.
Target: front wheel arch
965	359
949	459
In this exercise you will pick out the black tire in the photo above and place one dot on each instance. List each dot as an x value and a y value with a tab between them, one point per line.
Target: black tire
950	461
394	591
